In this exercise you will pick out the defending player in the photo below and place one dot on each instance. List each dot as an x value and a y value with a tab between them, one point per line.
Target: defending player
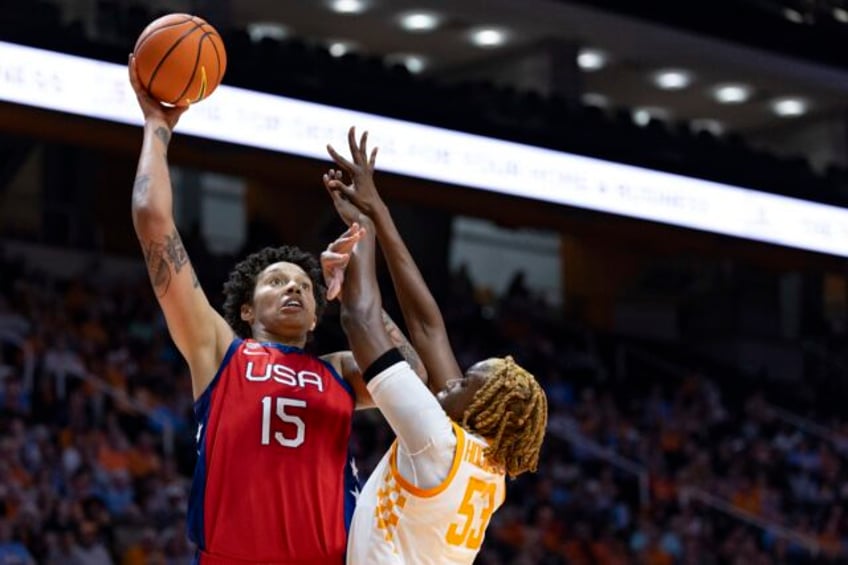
430	498
273	481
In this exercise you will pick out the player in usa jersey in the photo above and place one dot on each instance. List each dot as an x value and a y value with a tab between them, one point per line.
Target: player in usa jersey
273	481
430	498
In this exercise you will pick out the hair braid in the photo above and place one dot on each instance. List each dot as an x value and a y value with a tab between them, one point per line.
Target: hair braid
511	412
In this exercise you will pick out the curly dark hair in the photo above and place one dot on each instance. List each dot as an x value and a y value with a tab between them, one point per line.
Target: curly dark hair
241	283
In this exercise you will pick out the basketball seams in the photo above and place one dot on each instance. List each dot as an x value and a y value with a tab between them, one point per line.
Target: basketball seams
143	39
168	53
165	59
193	73
218	69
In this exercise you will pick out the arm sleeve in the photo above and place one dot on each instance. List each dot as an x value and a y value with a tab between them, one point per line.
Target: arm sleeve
425	433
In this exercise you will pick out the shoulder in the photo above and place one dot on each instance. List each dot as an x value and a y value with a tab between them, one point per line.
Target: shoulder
344	364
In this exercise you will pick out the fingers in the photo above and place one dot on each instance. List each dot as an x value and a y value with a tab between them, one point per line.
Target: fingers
132	71
332	259
334	287
332	180
347	240
362	153
340	161
351	141
373	160
333	266
136	82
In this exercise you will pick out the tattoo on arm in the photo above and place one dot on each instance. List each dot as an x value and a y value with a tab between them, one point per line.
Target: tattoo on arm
141	187
161	256
157	267
176	251
402	343
163	134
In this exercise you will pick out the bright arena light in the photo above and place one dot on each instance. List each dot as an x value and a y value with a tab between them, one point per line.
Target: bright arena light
488	37
260	30
672	79
340	48
732	93
348	6
643	116
419	21
789	107
413	63
590	59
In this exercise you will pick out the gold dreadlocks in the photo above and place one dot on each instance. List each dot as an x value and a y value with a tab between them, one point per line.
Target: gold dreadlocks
511	412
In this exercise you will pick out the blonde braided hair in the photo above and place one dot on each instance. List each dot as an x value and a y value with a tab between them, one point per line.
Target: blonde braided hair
511	412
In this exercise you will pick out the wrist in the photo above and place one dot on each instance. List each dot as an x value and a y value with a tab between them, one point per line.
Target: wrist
153	123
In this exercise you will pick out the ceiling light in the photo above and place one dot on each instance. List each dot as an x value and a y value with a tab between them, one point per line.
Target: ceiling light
591	59
488	37
715	127
340	48
642	116
793	16
348	6
789	107
672	79
260	30
840	15
595	99
413	63
419	21
732	93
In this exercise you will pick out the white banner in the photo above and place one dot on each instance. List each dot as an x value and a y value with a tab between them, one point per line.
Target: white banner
101	90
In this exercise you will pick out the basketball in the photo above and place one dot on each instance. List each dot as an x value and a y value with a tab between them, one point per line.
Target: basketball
180	59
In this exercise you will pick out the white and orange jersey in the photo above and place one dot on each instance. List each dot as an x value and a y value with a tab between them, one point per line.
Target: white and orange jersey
397	522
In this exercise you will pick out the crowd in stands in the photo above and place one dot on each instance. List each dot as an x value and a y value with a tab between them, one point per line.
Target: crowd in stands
308	71
87	475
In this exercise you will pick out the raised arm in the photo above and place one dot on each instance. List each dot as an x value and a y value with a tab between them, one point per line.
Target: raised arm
422	427
341	249
421	313
199	332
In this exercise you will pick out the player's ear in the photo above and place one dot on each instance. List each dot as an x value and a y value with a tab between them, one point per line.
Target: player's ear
247	313
314	323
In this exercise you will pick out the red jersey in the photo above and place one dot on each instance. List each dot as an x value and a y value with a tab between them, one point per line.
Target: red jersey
273	481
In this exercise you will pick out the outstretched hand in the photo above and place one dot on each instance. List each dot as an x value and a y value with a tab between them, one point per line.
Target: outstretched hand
150	107
335	258
362	192
345	208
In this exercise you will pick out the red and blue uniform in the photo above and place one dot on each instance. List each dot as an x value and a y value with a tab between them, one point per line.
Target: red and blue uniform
273	482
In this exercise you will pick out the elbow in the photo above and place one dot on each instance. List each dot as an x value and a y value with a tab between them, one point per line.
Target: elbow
146	216
144	220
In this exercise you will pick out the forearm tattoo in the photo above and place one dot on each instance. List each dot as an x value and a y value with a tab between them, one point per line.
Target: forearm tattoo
161	257
163	134
402	343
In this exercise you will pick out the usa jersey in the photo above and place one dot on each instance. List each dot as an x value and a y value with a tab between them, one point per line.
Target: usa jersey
273	481
397	522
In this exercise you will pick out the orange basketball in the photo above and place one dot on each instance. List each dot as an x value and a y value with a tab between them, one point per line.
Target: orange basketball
180	59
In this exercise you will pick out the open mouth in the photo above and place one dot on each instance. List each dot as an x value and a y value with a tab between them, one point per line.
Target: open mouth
292	304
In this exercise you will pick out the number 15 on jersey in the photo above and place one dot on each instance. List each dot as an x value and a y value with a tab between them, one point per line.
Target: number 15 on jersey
295	429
